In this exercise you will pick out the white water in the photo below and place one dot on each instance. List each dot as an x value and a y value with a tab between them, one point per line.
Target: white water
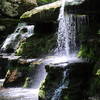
66	44
19	94
21	32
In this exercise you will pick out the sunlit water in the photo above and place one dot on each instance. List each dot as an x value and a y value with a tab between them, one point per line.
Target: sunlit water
66	40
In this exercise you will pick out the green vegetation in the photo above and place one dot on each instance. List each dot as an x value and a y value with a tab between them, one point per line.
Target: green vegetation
98	72
86	52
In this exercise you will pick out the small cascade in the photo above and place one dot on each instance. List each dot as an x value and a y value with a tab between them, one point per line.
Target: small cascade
70	25
63	85
66	33
22	31
60	50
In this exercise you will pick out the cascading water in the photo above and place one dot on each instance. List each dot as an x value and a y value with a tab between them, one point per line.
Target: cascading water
66	44
22	31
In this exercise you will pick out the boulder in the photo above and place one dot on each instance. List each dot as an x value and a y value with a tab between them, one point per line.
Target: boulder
46	13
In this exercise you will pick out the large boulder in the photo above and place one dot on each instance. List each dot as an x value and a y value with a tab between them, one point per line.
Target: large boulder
48	12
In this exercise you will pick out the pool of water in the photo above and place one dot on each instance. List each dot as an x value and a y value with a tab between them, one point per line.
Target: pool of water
19	94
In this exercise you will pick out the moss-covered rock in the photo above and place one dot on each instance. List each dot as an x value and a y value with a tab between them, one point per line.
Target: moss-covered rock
36	46
90	49
45	13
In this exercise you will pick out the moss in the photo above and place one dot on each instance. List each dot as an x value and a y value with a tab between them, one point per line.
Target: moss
87	52
42	92
98	72
36	46
65	98
28	83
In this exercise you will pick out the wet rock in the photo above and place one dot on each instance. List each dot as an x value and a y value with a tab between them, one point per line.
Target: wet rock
75	81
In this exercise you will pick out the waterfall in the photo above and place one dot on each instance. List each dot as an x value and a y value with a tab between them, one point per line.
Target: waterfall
21	32
66	43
